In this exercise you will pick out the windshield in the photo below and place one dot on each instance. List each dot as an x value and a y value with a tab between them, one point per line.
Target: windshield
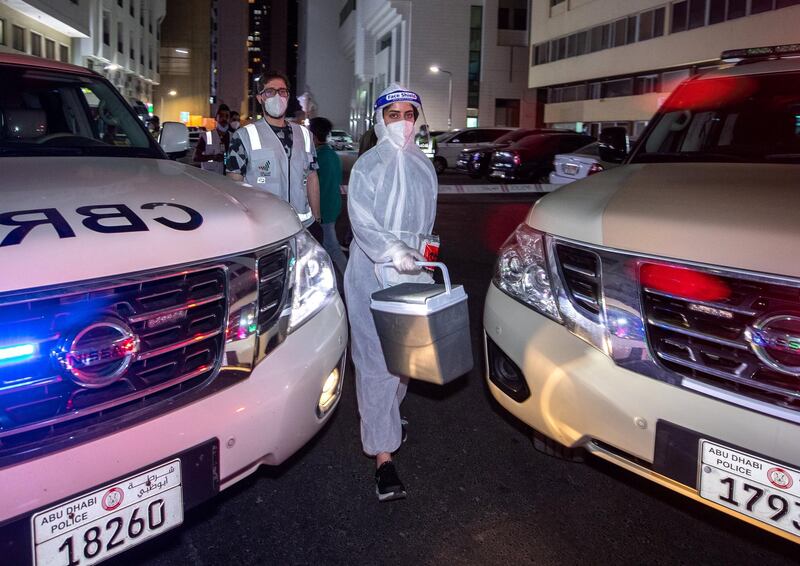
753	119
51	113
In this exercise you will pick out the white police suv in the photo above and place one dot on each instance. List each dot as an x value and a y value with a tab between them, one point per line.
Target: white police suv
651	314
163	331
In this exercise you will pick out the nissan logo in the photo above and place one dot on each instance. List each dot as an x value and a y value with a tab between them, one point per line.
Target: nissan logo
98	354
775	340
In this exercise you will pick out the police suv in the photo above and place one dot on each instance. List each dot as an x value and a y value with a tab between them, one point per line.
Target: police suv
163	331
651	314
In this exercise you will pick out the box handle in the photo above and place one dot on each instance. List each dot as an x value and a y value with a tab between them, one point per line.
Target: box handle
440	265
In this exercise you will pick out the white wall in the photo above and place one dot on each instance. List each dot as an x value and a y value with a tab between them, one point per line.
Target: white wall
323	68
698	45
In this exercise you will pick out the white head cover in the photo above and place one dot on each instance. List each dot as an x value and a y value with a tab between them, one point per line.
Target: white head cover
393	186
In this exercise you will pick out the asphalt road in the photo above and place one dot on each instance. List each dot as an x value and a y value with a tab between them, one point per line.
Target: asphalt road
478	493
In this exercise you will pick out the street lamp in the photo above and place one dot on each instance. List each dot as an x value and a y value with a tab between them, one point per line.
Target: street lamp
436	69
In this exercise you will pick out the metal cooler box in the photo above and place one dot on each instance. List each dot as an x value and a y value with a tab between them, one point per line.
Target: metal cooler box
424	329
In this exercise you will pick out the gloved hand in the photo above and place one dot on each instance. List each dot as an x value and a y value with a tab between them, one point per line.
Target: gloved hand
404	261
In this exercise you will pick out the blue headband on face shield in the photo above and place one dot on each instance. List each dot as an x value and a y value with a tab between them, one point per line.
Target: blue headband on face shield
397	96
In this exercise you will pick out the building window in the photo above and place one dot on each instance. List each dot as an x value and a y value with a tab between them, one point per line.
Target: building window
512	14
716	11
131	50
120	42
645	84
130	8
141	13
645	26
63	53
119	3
36	44
619	87
506	112
106	27
697	14
679	12
758	6
49	48
736	9
474	75
384	43
18	38
2	31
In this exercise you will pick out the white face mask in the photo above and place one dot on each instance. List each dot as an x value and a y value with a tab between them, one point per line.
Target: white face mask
400	133
276	105
222	128
235	125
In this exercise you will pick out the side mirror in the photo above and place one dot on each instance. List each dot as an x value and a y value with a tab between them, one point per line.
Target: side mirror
174	138
610	154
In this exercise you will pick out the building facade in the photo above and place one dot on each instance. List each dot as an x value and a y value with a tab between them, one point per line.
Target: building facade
613	62
229	56
117	38
481	45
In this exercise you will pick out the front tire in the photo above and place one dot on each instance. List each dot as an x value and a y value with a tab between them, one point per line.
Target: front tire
439	165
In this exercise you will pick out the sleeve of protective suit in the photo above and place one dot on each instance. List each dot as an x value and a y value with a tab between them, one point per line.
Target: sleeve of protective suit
379	244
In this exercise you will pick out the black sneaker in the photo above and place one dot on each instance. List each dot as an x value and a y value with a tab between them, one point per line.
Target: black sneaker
387	485
404	429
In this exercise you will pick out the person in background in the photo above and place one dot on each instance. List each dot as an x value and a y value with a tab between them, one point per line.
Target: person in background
154	125
213	145
277	156
367	141
235	122
330	197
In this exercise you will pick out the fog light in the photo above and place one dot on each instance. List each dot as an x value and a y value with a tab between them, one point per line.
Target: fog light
505	374
330	392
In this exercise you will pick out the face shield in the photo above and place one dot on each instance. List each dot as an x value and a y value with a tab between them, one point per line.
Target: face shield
400	118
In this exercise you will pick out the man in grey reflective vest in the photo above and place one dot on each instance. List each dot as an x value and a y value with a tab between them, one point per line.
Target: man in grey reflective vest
276	156
213	145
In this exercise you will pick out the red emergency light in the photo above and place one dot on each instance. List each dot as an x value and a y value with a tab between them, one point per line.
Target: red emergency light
684	282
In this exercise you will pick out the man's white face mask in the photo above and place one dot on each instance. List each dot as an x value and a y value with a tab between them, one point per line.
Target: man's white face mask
276	105
222	127
400	132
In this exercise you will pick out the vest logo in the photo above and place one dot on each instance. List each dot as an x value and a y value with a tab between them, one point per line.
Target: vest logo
266	169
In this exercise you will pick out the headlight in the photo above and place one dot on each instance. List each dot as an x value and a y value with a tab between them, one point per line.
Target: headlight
522	271
314	283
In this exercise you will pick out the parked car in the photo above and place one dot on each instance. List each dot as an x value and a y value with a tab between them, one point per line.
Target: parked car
531	158
585	161
341	140
476	161
649	316
448	146
150	355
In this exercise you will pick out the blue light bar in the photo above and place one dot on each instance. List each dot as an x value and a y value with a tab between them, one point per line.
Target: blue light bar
17	352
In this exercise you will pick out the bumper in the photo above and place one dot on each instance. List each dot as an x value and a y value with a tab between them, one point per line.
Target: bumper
579	397
556	179
263	419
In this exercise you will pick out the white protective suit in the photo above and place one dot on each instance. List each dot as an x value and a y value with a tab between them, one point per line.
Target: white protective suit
391	202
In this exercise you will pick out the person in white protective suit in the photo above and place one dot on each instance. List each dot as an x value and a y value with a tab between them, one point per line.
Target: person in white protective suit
391	203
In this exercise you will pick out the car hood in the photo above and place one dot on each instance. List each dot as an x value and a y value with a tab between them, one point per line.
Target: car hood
175	214
736	215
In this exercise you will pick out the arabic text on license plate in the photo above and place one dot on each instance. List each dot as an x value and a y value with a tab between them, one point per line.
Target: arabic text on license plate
570	169
109	520
752	486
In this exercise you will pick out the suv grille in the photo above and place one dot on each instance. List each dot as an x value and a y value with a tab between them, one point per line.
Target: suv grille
179	320
271	284
580	271
706	340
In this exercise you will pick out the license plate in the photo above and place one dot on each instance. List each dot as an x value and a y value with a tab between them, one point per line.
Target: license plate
751	486
109	520
570	169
